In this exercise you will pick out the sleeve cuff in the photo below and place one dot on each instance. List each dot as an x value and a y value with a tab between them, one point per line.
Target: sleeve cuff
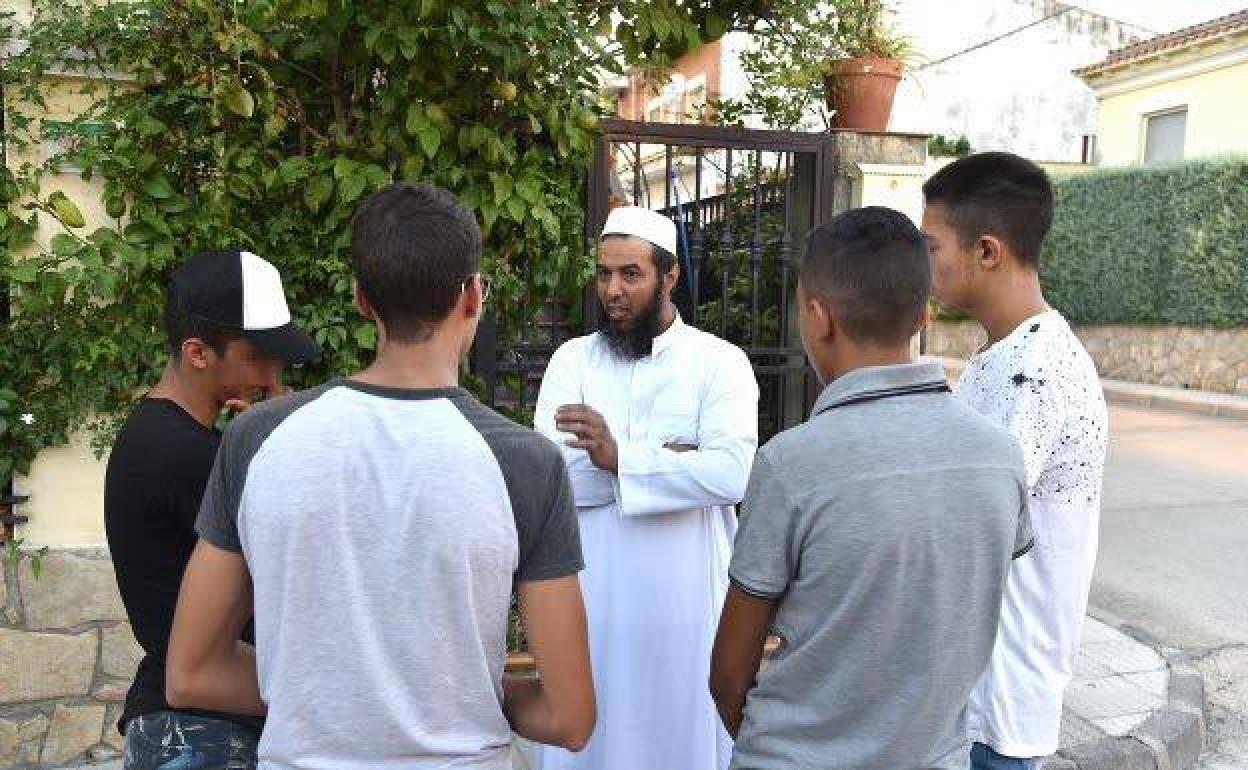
550	572
753	589
218	538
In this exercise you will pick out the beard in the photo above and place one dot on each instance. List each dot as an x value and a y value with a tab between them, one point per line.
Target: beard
632	339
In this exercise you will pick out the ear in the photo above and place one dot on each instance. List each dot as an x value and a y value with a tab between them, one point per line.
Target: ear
989	251
197	354
822	322
361	302
924	318
670	279
474	297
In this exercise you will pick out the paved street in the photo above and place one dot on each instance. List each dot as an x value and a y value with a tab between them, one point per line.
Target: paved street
1174	553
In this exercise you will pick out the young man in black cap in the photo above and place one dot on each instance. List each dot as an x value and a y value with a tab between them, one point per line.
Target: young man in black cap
229	332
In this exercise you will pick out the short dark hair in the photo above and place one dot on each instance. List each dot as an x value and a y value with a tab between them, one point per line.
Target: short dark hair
181	326
412	248
664	260
871	265
997	193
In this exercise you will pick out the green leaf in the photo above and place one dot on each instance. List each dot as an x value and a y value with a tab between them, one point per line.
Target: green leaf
409	42
352	187
140	232
516	208
63	245
502	188
66	210
115	206
238	100
25	271
366	336
427	8
158	187
430	139
148	126
529	188
661	26
344	167
716	27
413	164
319	188
415	120
692	38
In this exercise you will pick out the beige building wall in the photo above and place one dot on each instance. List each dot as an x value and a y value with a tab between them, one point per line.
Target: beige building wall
66	484
1211	84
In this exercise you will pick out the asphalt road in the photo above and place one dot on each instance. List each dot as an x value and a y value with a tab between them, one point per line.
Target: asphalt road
1173	559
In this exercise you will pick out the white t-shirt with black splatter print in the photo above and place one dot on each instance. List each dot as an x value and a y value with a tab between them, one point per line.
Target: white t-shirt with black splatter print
1041	385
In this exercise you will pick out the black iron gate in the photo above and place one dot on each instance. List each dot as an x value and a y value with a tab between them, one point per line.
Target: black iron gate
743	201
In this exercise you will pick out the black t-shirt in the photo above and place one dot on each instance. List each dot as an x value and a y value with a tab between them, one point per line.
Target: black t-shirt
156	475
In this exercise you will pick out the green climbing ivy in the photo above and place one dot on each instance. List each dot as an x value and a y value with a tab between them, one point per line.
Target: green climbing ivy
260	124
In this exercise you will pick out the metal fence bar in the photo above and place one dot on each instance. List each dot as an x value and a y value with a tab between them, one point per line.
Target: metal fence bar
725	248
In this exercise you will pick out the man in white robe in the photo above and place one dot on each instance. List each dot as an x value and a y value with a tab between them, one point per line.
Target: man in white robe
658	422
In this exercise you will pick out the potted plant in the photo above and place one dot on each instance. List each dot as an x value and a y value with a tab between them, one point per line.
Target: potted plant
860	85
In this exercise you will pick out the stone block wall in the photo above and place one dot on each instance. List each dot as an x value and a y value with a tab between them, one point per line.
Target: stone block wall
67	656
1178	356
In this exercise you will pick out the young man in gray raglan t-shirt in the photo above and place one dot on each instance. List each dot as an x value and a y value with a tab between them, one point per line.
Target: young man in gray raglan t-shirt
379	524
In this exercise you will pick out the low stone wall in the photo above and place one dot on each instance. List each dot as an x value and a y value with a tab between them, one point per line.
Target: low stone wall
1178	356
66	660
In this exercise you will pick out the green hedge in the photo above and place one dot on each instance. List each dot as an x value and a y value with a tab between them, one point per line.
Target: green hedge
1151	245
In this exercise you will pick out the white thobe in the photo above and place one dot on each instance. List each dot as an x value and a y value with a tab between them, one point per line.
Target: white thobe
657	538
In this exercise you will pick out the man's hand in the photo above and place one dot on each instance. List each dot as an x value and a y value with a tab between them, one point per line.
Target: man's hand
592	434
271	391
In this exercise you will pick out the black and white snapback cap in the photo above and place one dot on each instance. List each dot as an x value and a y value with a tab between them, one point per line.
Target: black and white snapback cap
238	290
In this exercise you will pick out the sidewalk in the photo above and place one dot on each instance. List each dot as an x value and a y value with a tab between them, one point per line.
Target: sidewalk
1154	396
1128	708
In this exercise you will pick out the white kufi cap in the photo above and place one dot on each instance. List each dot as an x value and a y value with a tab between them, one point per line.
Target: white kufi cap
642	223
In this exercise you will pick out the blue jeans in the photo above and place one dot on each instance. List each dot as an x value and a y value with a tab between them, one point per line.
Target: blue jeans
168	740
985	758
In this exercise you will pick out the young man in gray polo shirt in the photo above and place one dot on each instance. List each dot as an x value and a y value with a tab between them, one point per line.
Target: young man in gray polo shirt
875	539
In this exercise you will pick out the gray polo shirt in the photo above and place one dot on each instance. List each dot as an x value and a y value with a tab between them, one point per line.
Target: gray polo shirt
883	528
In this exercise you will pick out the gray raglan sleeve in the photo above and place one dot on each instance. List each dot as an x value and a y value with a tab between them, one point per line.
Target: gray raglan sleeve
764	555
218	511
549	534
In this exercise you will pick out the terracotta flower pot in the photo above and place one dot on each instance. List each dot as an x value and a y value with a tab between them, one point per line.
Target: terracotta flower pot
861	91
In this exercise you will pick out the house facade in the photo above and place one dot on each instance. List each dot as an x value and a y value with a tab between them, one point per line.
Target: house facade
1177	96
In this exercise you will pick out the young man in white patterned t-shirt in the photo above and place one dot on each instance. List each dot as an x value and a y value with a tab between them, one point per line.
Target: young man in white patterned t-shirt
985	221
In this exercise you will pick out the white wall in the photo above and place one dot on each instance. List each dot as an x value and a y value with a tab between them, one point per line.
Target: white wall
1015	94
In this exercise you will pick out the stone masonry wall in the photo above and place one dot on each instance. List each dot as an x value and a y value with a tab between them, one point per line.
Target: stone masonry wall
1178	356
67	656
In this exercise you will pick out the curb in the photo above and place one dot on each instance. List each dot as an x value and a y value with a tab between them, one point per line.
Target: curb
1152	396
1171	738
